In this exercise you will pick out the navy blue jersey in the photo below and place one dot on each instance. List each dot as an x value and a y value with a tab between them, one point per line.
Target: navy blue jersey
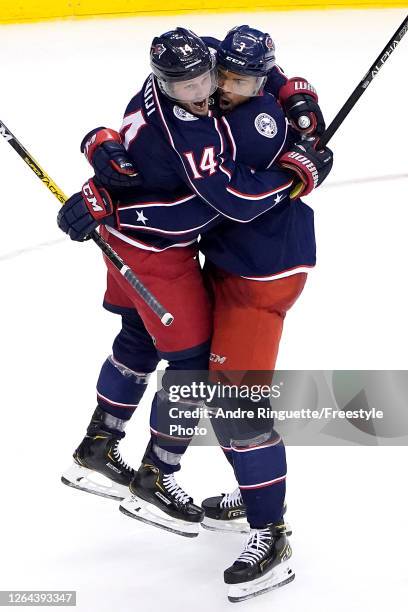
200	171
180	156
282	240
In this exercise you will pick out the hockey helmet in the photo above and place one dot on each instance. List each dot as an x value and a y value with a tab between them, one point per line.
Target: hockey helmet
181	57
249	52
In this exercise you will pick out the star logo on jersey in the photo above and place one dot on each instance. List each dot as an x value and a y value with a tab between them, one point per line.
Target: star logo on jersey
266	125
158	50
279	198
141	217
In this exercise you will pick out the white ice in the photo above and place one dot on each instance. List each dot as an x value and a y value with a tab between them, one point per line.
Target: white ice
347	505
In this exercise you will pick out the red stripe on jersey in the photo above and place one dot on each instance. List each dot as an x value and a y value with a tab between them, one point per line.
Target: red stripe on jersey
259	196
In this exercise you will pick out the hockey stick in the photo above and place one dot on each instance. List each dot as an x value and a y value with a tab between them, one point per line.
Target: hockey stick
165	317
365	82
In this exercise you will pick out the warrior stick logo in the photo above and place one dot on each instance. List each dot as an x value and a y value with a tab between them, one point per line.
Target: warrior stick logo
4	133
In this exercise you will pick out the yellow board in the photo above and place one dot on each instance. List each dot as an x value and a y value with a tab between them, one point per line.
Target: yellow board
31	10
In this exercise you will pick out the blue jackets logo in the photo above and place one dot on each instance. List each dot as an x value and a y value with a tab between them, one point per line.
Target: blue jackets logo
266	125
182	114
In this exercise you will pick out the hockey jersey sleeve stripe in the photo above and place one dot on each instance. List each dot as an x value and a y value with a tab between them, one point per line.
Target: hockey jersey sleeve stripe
157	230
280	150
260	196
231	138
225	170
154	203
147	247
217	127
164	122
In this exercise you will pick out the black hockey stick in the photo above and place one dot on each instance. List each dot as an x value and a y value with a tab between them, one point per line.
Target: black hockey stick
165	317
365	82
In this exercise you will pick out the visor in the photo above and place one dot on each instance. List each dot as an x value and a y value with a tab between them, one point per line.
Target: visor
241	84
190	90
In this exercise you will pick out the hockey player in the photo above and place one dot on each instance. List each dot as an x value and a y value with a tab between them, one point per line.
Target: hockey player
257	273
156	236
246	68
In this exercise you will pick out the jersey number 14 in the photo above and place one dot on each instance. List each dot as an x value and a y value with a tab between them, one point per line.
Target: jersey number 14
208	164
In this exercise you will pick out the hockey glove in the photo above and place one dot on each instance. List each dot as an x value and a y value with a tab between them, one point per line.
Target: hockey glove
312	166
84	211
300	103
105	152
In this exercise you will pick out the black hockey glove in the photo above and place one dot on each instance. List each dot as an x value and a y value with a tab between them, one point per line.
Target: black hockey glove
108	157
85	211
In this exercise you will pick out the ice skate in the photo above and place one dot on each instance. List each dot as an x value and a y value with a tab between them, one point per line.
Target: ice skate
158	500
226	513
98	467
263	565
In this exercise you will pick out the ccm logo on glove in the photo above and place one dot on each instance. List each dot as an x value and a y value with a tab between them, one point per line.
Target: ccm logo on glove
97	200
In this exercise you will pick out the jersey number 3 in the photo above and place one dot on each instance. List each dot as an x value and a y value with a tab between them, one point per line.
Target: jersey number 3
208	164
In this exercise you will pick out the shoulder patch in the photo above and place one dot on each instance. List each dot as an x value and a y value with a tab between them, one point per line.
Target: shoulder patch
182	114
266	125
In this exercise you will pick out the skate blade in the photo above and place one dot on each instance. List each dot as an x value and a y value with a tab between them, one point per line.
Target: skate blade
233	526
89	481
143	511
274	579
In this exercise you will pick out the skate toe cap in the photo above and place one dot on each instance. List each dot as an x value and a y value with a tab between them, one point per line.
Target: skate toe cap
239	572
195	513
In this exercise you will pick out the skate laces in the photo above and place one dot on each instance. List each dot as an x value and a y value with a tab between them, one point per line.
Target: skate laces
118	457
231	499
174	489
257	545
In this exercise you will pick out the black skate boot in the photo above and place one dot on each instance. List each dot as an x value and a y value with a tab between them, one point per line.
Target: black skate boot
226	513
158	500
262	566
98	466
